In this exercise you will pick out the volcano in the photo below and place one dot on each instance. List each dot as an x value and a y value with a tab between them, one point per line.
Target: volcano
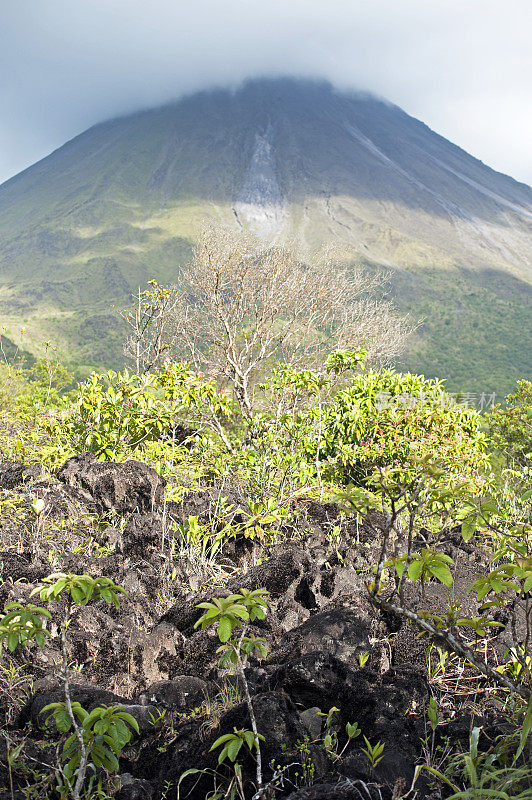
297	162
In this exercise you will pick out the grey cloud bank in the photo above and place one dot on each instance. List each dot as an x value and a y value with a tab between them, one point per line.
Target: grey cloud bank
462	66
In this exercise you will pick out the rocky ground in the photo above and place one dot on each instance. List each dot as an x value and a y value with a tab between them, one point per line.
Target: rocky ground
112	520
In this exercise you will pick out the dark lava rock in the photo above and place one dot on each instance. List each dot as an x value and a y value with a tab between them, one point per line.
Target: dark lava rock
319	621
199	656
341	631
276	574
147	717
319	680
395	695
141	534
88	697
13	473
210	504
184	613
125	487
188	749
277	718
284	732
135	788
183	693
20	567
122	652
381	706
342	790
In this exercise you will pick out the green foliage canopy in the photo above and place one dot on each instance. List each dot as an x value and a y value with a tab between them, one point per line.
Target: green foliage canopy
392	419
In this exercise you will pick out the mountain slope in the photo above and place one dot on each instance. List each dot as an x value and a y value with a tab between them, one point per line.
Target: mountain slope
296	161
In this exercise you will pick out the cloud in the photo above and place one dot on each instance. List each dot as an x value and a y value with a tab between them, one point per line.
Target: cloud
462	66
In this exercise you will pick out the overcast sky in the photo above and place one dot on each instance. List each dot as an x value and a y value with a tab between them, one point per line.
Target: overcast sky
462	66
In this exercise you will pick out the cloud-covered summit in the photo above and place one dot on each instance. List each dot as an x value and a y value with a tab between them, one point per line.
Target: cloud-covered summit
461	67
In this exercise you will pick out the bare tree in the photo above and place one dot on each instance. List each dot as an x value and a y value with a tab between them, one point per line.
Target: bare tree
150	320
241	303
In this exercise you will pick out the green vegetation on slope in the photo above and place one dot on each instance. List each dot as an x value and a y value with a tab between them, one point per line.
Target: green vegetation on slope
397	460
126	200
475	331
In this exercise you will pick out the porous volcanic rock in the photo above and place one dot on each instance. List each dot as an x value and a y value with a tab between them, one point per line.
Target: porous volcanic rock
87	695
210	504
339	630
120	487
182	694
135	788
148	655
13	473
343	789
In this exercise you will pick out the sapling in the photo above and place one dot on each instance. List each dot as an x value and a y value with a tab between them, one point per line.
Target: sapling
330	740
98	736
426	496
231	614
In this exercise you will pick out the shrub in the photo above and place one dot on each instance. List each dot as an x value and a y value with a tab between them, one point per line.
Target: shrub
98	737
387	418
511	428
118	411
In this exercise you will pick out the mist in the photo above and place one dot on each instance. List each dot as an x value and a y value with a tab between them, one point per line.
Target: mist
462	66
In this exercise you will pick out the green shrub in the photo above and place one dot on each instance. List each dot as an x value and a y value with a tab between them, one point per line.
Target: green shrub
511	427
393	419
116	412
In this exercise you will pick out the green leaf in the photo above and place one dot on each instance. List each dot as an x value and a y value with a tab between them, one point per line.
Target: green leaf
209	615
489	507
473	741
100	726
103	757
250	739
221	740
415	568
108	596
468	530
240	611
130	721
225	629
432	713
442	573
77	595
233	748
59	586
352	730
60	715
525	729
191	771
